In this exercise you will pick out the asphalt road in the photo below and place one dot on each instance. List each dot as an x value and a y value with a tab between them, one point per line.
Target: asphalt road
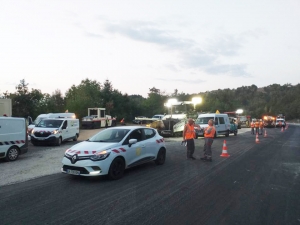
257	184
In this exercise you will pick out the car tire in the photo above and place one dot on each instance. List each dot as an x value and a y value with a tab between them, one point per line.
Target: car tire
196	136
12	154
75	138
161	157
116	169
215	134
235	132
58	141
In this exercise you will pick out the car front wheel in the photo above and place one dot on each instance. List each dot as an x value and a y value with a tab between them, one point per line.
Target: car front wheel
161	157
116	169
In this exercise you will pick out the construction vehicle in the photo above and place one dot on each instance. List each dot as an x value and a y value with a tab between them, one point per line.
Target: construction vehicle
5	107
269	121
97	118
173	124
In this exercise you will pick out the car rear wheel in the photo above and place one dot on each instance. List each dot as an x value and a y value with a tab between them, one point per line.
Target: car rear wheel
161	157
116	169
12	154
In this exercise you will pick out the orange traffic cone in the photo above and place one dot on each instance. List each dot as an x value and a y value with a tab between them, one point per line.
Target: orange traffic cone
256	139
122	121
282	129
224	150
265	133
286	126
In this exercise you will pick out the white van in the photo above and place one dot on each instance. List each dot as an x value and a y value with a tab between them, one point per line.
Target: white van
55	131
221	123
13	138
49	115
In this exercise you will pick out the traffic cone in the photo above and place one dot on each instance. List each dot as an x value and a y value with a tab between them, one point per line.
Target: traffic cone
122	121
282	129
256	139
265	134
224	150
286	126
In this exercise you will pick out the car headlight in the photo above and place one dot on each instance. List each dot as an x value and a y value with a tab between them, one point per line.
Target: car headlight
100	155
54	132
32	131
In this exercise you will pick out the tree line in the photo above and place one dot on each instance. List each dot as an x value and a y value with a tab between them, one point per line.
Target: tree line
273	99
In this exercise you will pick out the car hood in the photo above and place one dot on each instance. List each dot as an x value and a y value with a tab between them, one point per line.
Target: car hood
89	148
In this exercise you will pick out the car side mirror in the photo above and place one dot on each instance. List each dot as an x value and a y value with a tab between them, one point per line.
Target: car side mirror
132	141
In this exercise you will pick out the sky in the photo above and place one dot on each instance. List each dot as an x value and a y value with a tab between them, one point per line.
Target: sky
192	46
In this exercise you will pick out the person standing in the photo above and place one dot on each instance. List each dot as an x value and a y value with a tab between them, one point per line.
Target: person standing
256	126
188	136
261	127
209	134
252	125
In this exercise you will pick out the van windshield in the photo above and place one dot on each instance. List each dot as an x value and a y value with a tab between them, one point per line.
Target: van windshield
50	123
38	119
203	120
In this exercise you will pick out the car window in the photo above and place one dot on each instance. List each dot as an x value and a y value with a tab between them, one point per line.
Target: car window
135	134
149	133
221	120
110	135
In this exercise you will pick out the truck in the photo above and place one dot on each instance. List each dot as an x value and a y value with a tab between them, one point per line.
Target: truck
97	118
5	107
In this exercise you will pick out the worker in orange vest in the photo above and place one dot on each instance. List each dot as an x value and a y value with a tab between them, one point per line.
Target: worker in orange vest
188	137
261	126
252	125
209	134
256	126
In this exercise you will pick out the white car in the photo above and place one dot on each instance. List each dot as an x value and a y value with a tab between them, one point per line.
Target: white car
113	150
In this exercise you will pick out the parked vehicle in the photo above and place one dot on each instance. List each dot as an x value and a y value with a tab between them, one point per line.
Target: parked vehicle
55	131
97	118
221	123
13	138
48	116
5	107
113	150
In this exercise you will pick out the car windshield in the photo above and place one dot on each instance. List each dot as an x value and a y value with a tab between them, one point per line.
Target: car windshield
203	120
50	123
110	135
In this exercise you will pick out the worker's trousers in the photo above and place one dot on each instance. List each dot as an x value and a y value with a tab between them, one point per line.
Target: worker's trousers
207	147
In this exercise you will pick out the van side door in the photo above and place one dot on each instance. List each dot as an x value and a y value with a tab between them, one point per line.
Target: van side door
65	134
222	126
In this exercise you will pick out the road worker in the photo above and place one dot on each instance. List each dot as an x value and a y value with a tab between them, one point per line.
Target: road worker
256	126
252	125
209	134
188	137
261	126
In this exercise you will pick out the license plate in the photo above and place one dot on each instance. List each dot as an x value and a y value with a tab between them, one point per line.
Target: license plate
73	172
41	139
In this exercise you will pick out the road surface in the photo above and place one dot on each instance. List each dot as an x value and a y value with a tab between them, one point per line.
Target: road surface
258	184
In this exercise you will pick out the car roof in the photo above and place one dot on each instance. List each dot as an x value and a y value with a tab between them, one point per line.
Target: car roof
129	127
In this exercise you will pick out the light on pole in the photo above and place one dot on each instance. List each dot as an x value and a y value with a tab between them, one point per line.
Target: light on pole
169	104
196	100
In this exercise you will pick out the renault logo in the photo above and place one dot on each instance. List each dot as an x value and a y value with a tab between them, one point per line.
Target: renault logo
74	159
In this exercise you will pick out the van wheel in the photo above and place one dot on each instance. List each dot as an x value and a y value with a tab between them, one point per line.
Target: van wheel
215	134
58	141
116	169
75	138
227	134
12	154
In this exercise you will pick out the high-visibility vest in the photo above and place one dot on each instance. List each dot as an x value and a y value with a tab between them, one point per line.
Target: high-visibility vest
190	132
261	124
252	125
256	124
212	132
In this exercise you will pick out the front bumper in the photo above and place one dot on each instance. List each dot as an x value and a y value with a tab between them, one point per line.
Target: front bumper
86	167
51	139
